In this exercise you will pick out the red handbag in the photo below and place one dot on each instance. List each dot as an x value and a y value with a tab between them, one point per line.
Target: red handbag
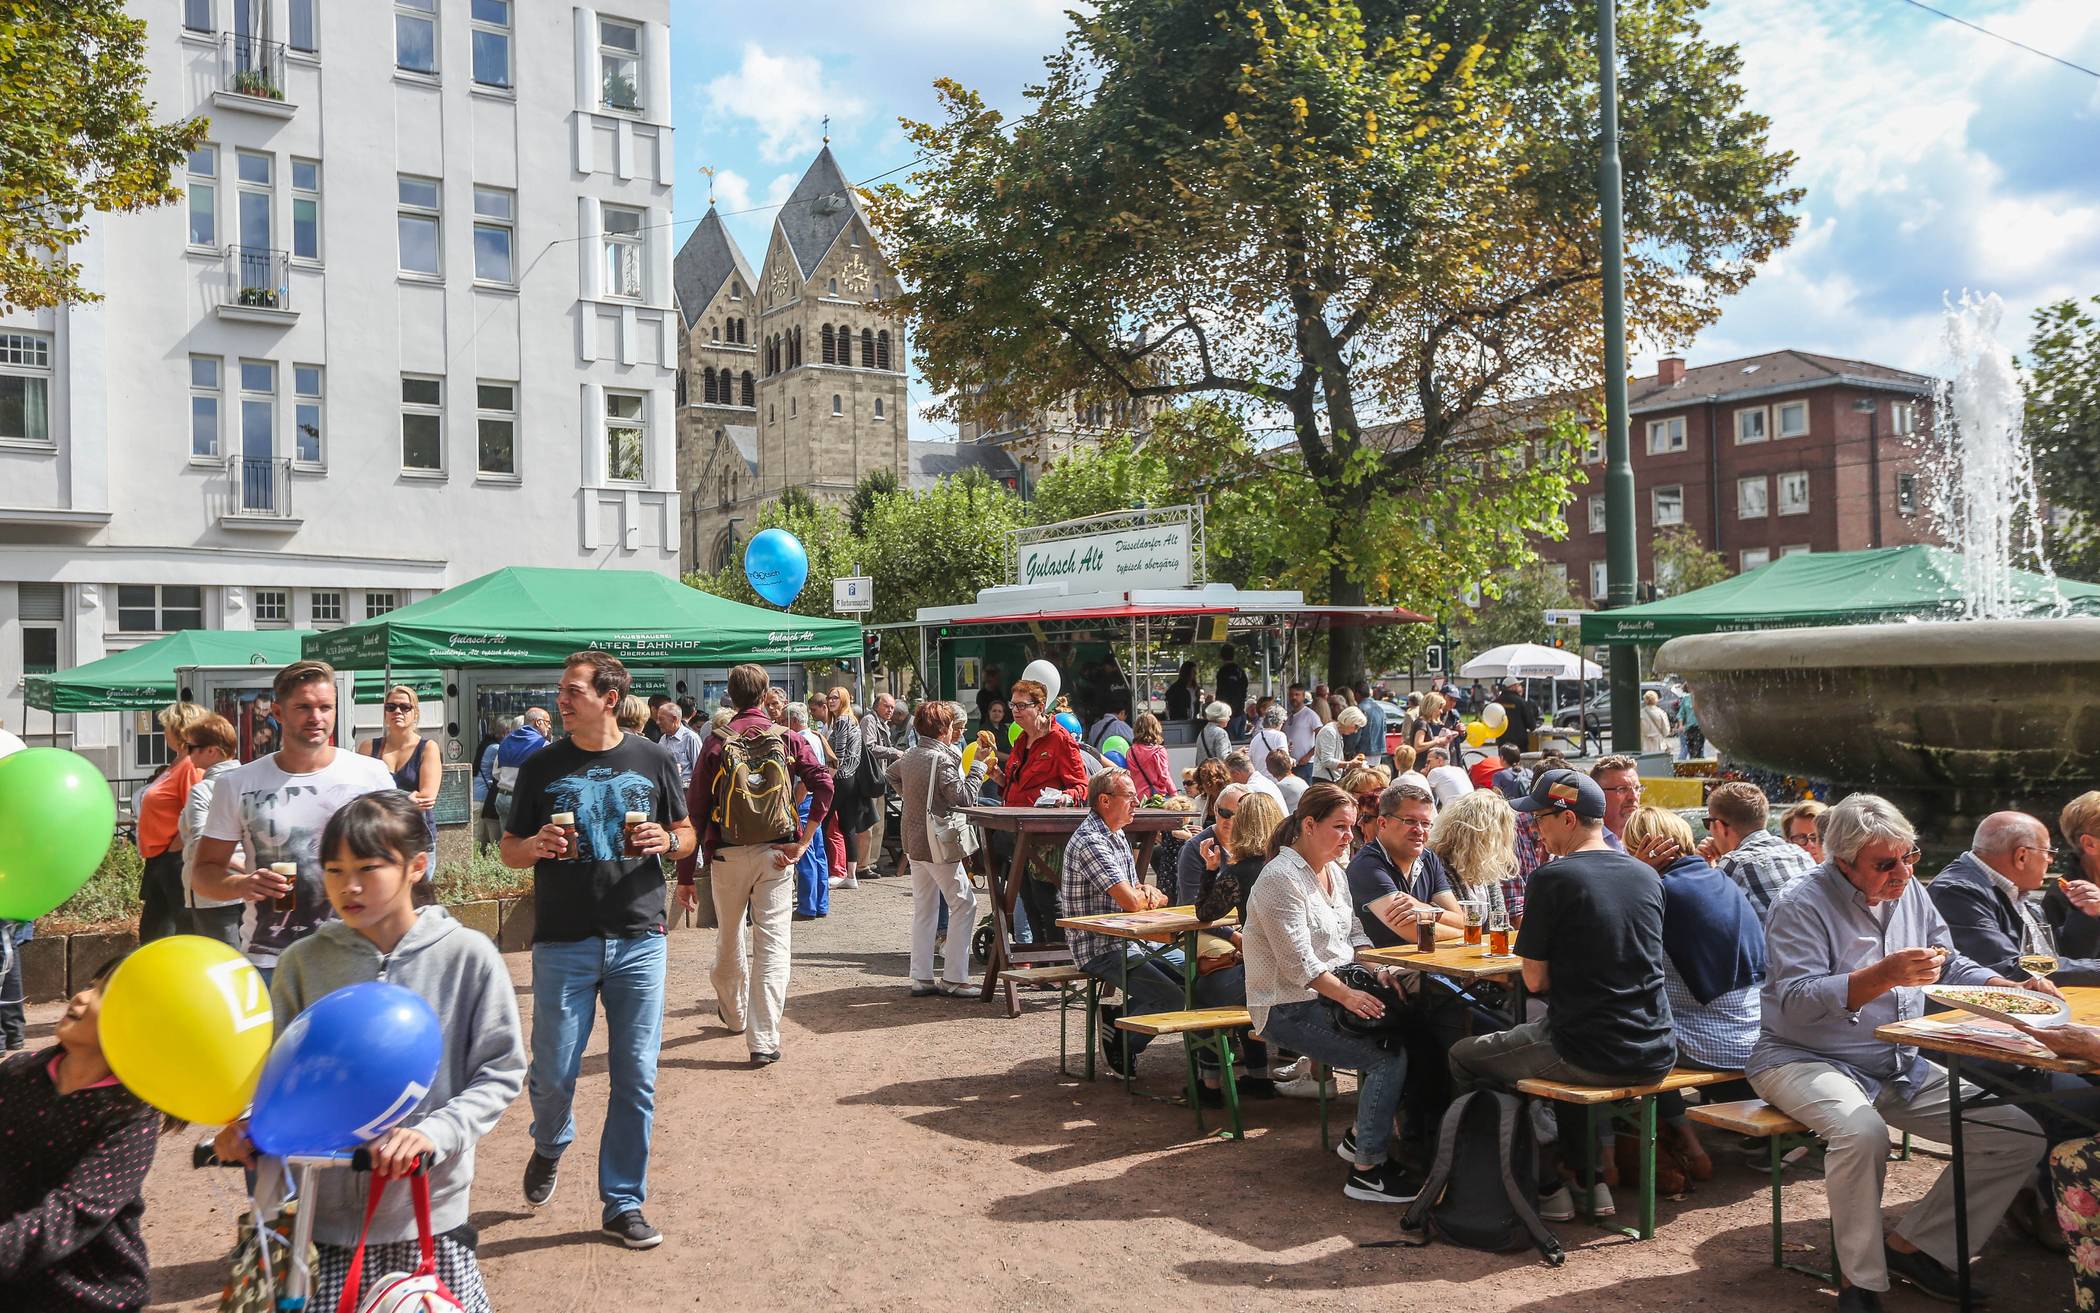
420	1291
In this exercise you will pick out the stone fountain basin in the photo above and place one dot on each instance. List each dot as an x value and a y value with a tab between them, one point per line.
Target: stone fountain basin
2007	708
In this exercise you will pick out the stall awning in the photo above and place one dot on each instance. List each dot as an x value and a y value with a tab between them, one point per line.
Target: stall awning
1050	605
143	678
1089	613
526	616
1830	588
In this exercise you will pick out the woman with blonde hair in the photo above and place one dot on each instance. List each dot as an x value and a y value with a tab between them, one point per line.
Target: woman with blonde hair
1476	840
632	714
1655	723
413	759
850	812
1404	771
161	907
1802	826
1427	730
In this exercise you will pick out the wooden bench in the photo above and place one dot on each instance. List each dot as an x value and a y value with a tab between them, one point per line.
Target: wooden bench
1073	985
1203	1026
1630	1106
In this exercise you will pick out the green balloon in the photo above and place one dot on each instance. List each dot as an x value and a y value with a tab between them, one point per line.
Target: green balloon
1013	733
1115	743
57	818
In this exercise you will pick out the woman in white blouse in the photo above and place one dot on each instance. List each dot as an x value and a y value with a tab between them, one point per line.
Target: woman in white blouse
1296	935
1328	761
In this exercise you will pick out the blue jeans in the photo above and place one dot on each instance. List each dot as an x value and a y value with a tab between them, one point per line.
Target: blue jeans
1157	985
568	981
1307	1028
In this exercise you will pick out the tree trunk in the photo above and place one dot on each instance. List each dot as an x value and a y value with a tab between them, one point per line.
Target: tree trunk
1345	642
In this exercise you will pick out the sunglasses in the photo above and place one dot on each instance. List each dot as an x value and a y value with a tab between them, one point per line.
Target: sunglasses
1222	813
1888	865
399	708
198	747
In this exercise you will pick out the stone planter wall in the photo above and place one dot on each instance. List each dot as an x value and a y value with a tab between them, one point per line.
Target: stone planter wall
55	967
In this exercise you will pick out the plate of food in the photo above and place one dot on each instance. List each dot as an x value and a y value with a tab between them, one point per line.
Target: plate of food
1999	1003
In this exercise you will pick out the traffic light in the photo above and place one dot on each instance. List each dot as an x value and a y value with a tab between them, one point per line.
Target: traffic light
871	652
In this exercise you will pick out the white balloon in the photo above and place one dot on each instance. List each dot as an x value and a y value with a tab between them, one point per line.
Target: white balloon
1494	716
1042	672
9	744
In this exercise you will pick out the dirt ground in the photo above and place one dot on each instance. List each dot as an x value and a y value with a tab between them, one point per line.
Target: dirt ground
915	1153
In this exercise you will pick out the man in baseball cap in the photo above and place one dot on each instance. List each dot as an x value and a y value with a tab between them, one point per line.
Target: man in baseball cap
1591	943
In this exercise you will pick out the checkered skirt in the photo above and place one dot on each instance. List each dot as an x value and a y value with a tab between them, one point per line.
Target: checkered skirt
455	1267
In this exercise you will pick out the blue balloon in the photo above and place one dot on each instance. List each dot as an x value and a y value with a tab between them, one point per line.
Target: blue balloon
346	1070
1116	757
1069	721
777	566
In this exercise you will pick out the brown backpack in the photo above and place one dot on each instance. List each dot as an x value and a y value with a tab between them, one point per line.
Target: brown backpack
753	789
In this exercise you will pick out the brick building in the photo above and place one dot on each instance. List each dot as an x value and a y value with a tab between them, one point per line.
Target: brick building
1761	457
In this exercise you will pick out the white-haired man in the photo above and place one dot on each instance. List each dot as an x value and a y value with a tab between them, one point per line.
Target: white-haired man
1848	947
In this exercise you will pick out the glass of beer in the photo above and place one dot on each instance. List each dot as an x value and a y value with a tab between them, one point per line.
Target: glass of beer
634	845
569	836
1425	929
288	901
1476	918
1498	936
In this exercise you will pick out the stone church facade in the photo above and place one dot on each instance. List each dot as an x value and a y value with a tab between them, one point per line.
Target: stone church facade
794	378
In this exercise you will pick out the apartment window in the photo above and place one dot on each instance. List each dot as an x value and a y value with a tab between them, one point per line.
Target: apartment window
258	410
1906	494
491	26
149	745
196	15
1665	435
1669	505
626	437
838	404
25	387
496	428
1753	557
1600	582
418	225
878	407
203	173
378	604
1793	493
253	203
273	606
1793	419
305	30
159	608
619	65
495	220
1592	447
1751	497
306	209
1597	520
327	608
43	615
306	414
1750	425
422	423
1903	418
204	406
623	251
1795	549
415	35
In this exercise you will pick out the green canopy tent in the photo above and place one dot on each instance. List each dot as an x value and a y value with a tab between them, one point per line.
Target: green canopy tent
1829	588
143	678
524	617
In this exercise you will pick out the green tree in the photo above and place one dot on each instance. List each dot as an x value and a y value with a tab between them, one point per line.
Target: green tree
1513	608
1116	475
1683	563
2063	428
936	547
1325	212
872	488
77	134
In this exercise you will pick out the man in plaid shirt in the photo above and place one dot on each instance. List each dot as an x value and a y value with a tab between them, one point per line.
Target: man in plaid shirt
1739	844
1101	877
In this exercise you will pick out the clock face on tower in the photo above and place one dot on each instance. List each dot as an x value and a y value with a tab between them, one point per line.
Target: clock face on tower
780	285
854	276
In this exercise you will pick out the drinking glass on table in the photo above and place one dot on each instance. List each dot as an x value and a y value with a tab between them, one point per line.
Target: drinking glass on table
1498	936
2039	959
1476	919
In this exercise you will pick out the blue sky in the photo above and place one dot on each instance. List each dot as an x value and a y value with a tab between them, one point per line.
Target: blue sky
1935	159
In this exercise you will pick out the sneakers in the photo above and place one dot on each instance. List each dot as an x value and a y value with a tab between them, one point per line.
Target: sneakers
1346	1150
1557	1205
1112	1051
1601	1204
1305	1087
923	989
1381	1183
953	988
1288	1071
1927	1277
764	1059
541	1173
843	882
630	1230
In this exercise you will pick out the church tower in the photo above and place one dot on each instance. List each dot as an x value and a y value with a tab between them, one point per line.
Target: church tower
717	390
831	386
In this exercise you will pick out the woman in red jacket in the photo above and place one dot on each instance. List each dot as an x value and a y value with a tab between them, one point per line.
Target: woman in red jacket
1045	759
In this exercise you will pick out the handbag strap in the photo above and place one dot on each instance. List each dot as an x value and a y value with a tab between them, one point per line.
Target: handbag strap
419	1192
354	1278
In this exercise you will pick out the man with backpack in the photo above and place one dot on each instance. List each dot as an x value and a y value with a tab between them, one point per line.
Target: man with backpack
743	800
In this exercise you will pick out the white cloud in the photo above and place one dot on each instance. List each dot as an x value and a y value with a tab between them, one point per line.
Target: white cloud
785	97
780	188
732	190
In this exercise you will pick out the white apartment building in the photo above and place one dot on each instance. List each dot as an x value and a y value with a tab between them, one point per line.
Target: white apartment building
411	323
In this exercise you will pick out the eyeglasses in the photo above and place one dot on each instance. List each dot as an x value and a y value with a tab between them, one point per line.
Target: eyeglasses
1633	789
1367	800
1888	865
399	708
1019	704
2048	854
1410	822
198	747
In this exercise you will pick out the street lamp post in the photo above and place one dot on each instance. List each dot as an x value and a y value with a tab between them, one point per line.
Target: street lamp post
1622	563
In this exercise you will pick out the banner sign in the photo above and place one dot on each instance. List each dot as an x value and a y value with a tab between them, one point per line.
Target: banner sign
1117	561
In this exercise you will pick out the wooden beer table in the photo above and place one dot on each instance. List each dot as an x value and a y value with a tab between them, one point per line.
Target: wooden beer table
1031	828
1469	965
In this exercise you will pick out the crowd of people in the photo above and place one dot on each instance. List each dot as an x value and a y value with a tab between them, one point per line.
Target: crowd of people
1769	949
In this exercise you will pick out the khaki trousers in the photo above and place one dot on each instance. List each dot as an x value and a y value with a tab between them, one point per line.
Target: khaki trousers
750	883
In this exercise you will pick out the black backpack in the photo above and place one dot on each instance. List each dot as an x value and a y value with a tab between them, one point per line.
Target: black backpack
1483	1191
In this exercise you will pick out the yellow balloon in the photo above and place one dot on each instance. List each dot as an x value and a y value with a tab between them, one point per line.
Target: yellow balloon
1478	733
969	755
186	1025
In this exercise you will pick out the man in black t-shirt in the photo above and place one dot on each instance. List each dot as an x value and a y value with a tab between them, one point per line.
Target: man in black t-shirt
1394	875
1591	943
598	930
1232	691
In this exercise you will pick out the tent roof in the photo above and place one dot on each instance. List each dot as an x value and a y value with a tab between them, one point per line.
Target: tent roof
525	616
142	678
1828	588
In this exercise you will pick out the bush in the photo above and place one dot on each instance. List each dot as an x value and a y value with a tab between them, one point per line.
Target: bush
480	877
110	896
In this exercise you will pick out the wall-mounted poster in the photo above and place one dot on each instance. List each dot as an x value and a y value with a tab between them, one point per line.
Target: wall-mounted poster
966	672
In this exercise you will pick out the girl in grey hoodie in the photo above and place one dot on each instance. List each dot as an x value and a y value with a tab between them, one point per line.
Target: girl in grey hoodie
372	858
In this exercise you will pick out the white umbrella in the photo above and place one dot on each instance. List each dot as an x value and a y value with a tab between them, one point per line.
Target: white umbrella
1529	661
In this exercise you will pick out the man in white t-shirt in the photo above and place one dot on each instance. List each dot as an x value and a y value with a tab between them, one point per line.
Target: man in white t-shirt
1300	727
275	808
1243	774
1447	783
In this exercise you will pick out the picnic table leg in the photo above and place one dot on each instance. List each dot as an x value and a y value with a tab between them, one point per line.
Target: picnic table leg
1230	1084
1961	1184
1003	896
1189	1044
1647	1122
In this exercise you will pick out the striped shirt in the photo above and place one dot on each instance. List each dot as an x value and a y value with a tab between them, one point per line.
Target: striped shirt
1764	865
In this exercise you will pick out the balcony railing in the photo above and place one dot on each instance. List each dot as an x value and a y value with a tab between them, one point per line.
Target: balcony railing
258	278
258	489
251	66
